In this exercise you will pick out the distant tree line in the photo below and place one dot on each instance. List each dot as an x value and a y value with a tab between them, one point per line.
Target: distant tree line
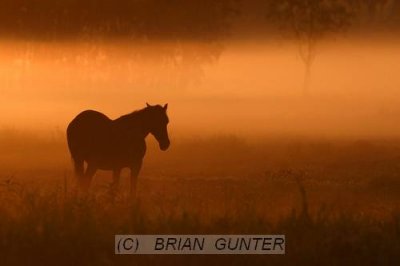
152	19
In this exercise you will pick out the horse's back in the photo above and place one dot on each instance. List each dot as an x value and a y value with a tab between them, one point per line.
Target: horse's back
88	121
85	130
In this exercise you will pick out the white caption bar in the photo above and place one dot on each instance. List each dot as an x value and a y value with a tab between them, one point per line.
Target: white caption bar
199	244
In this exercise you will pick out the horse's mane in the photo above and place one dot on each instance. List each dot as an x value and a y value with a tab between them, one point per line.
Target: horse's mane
136	114
132	115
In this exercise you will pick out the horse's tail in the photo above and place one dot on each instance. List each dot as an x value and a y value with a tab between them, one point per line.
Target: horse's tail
74	150
78	166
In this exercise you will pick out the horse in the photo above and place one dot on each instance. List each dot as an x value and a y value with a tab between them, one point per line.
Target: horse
107	144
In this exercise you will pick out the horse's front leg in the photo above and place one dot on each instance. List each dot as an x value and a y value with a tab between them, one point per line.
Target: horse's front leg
135	169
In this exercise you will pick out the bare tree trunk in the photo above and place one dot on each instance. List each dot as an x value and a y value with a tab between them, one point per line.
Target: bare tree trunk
308	57
307	54
307	79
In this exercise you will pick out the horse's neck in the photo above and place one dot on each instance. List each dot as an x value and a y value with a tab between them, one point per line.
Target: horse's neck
136	122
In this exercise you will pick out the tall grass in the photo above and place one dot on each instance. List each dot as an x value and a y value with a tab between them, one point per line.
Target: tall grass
52	226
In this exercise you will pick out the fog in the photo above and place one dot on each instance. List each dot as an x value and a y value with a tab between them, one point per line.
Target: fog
253	88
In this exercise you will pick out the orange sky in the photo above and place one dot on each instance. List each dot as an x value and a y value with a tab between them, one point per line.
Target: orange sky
254	88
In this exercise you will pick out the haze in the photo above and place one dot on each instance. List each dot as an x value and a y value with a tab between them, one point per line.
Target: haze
253	88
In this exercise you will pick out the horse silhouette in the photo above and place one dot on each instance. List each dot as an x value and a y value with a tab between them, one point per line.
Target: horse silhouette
114	144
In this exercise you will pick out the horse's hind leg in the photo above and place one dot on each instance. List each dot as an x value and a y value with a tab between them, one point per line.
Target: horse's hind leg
88	176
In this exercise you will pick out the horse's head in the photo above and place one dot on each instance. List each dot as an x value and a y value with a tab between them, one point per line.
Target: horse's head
158	124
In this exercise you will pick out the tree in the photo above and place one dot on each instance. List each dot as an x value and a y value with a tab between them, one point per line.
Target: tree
309	21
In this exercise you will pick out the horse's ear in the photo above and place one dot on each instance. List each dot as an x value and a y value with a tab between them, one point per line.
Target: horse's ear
148	105
166	106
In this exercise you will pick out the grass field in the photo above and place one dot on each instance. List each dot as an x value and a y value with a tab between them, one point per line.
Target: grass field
337	201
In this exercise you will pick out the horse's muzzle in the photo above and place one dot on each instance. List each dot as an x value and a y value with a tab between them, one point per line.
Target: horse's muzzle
164	146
